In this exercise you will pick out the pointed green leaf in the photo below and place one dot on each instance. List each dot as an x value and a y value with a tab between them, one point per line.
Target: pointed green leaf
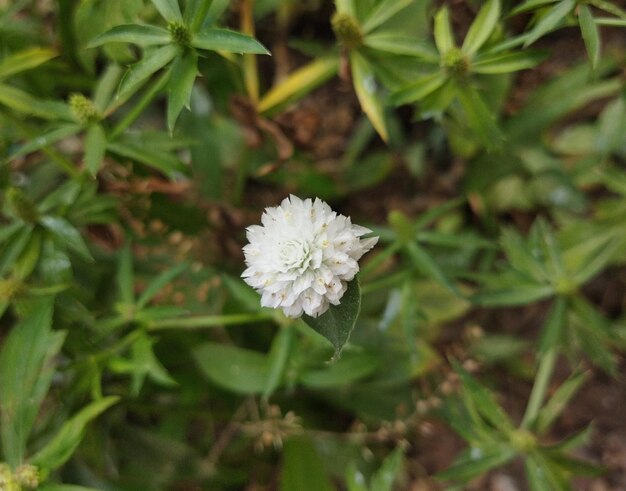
125	276
24	103
165	162
591	34
428	266
516	295
64	443
184	71
141	71
550	20
46	139
302	468
159	283
346	370
507	62
300	82
444	37
337	323
26	370
419	89
559	401
169	9
476	461
384	477
382	13
24	60
482	27
226	40
65	233
278	357
196	12
480	118
139	34
398	44
95	147
365	86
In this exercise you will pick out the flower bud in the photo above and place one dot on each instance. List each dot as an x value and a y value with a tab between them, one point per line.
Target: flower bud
347	30
179	33
27	475
84	109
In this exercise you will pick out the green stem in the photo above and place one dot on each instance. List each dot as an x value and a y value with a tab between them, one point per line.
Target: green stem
209	321
130	117
540	387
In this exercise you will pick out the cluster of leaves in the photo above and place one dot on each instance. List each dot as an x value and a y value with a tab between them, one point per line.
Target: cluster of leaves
121	221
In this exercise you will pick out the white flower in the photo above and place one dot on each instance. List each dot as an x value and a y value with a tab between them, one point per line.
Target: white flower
303	255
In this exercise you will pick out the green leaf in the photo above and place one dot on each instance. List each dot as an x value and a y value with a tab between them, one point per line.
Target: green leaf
24	60
482	27
196	12
95	148
227	40
530	5
591	34
337	323
155	158
384	477
139	34
24	103
515	295
554	327
26	371
28	258
365	86
301	82
64	487
15	247
550	20
419	89
64	443
47	139
480	118
141	71
352	366
145	364
397	44
426	264
278	357
159	283
384	11
444	37
184	71
236	369
559	401
476	461
169	9
507	62
65	233
125	276
302	468
540	476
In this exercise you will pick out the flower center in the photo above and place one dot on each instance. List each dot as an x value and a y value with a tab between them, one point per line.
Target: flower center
295	254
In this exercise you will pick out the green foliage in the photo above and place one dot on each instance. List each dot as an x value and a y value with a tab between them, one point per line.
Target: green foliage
481	143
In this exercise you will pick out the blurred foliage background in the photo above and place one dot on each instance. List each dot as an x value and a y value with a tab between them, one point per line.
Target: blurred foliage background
484	142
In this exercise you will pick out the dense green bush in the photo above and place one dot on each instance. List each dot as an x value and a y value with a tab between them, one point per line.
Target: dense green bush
484	143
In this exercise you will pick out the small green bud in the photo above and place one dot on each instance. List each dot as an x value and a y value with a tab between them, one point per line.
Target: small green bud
564	286
347	30
22	205
523	440
84	109
27	475
455	62
179	33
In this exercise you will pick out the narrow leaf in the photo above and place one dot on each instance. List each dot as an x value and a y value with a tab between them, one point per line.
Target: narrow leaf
65	233
184	71
508	62
419	89
337	323
482	27
227	40
426	264
64	443
169	9
477	461
298	83
95	147
46	139
397	44
159	283
139	34
559	401
365	87
278	357
141	71
302	468
479	117
382	13
24	60
444	37
550	20
591	34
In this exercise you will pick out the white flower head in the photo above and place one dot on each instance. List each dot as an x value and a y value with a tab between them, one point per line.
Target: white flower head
302	256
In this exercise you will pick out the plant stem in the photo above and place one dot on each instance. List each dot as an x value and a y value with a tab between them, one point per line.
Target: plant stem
540	387
208	321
